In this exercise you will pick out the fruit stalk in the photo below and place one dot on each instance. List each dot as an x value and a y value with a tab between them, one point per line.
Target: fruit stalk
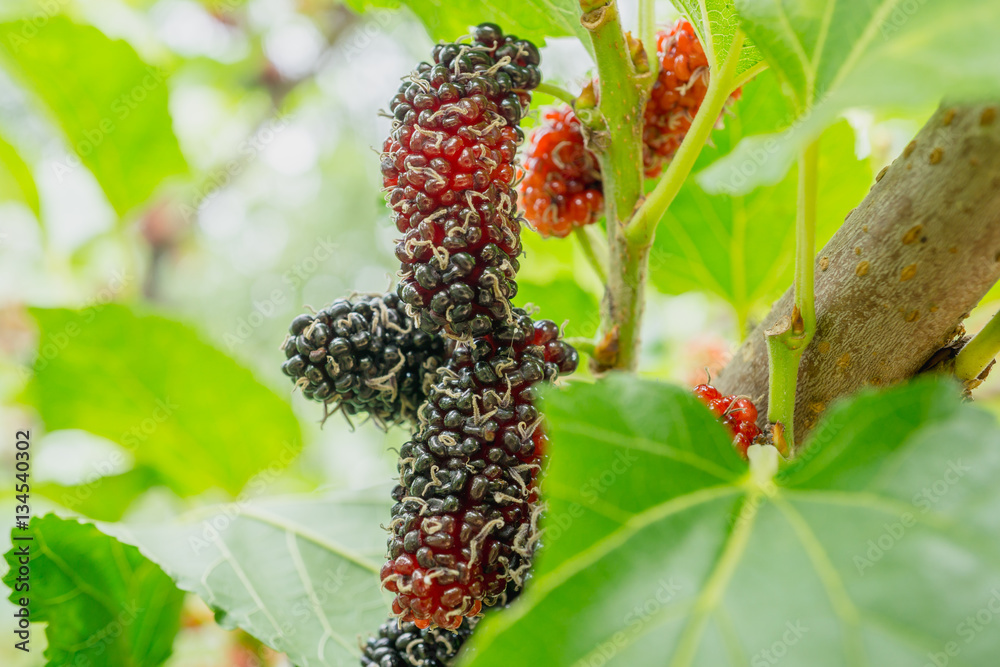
979	352
788	340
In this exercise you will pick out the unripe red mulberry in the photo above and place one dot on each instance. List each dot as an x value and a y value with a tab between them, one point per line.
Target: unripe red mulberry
363	355
448	168
561	188
737	414
465	521
676	96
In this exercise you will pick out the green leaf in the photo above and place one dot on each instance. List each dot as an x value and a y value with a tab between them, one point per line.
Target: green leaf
111	105
104	498
16	181
180	406
717	22
299	575
534	20
104	603
562	300
875	547
839	54
741	247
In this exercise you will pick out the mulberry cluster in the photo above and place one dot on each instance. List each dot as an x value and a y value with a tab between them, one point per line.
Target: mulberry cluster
676	96
561	188
400	644
405	645
363	355
737	414
448	169
465	519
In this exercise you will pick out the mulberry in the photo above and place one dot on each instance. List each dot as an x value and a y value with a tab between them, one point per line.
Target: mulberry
465	520
562	186
737	414
401	644
363	355
405	645
677	94
448	169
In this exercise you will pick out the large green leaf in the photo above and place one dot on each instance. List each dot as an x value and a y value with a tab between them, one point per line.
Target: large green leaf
741	247
16	181
111	105
104	498
180	406
104	603
717	23
877	547
836	54
300	575
528	19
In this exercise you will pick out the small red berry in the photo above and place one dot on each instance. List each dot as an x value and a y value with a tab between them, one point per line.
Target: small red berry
719	406
744	410
561	189
707	392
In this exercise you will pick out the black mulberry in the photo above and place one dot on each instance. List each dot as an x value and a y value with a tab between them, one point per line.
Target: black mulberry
363	355
465	520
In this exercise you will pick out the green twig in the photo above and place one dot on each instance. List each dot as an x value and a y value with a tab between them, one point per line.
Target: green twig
720	86
595	249
583	345
979	352
788	339
556	92
615	136
647	30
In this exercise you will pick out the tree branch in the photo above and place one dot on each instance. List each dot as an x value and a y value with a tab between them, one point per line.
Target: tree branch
895	282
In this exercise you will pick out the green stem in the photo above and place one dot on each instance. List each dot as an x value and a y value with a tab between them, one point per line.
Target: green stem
597	257
582	345
788	339
556	92
616	139
805	237
720	86
979	352
647	30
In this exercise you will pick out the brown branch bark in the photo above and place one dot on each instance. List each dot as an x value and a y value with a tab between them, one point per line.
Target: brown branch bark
895	282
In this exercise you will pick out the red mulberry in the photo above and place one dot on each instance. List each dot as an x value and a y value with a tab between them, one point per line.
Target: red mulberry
465	519
562	187
448	168
363	355
737	414
676	96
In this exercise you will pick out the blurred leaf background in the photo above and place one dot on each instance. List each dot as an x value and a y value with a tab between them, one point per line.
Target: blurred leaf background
179	179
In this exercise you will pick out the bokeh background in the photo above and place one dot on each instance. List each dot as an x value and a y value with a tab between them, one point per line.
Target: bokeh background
237	184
